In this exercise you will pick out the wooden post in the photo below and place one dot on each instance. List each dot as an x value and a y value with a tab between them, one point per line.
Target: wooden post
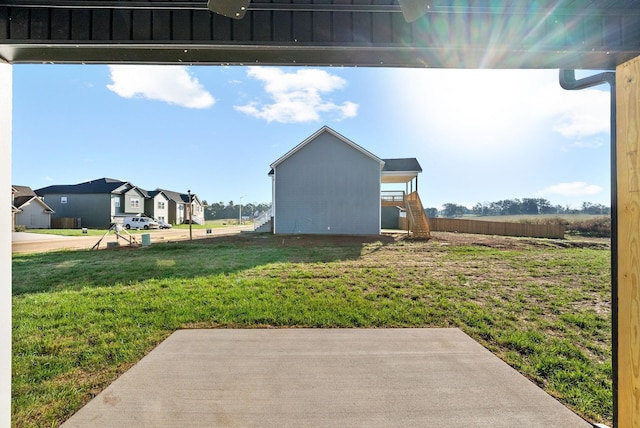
627	323
6	88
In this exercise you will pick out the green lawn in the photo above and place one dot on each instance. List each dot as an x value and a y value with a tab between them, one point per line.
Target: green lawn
68	232
82	318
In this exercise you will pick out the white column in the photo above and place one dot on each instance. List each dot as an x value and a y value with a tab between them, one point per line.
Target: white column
6	86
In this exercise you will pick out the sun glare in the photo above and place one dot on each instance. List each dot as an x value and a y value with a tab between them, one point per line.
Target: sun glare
478	111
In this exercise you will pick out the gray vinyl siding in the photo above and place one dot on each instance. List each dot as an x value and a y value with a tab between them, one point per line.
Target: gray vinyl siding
94	210
117	205
327	187
153	207
137	208
390	218
33	216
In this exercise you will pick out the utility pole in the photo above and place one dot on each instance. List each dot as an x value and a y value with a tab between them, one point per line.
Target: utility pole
190	217
240	212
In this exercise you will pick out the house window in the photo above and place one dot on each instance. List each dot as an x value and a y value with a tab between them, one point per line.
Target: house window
116	203
181	207
135	203
160	205
161	218
63	199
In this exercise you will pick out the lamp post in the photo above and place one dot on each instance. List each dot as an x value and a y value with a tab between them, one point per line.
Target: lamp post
190	218
240	212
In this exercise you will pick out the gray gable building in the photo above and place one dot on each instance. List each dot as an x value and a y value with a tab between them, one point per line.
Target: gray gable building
28	209
95	202
328	184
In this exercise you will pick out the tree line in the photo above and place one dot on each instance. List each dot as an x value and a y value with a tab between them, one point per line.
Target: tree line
525	206
220	210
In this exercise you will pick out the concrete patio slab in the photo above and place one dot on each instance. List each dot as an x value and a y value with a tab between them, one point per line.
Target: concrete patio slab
323	378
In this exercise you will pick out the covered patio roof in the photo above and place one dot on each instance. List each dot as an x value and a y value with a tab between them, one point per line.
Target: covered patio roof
401	170
590	34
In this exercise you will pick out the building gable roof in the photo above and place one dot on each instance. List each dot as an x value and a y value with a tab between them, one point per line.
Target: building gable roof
316	135
154	193
181	198
140	191
173	196
401	164
23	191
101	185
23	200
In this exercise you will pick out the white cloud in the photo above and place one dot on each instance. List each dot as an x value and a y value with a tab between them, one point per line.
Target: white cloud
170	84
298	96
580	114
498	109
576	188
591	143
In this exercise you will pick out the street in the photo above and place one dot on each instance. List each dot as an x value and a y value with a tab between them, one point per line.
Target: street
26	242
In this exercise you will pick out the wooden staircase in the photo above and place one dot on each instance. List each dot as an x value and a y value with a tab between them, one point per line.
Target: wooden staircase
418	223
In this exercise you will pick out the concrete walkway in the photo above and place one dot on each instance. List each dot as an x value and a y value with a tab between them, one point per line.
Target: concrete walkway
323	378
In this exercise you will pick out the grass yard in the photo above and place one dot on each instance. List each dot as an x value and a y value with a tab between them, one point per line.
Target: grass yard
82	318
68	232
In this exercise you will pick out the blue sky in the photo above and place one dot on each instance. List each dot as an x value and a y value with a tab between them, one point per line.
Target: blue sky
480	135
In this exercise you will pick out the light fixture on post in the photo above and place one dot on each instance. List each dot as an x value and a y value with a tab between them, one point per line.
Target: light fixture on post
190	217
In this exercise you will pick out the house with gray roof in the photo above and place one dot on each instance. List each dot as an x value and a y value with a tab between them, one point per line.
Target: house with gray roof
28	209
99	203
157	205
179	207
95	203
328	184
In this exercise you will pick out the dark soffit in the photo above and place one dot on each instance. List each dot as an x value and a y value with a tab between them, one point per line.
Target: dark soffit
590	34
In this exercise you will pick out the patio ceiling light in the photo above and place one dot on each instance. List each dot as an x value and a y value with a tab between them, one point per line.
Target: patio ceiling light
236	9
230	8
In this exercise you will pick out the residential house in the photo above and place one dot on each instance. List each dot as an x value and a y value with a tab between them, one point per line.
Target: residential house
157	205
328	184
29	210
14	210
179	207
99	203
96	203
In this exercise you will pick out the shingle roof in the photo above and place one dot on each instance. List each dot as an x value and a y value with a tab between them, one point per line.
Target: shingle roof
101	185
175	196
401	164
23	195
23	191
21	200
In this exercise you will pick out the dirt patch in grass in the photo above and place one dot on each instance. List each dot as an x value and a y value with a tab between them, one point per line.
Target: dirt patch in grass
440	238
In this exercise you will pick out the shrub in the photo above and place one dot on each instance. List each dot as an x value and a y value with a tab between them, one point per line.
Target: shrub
598	226
20	228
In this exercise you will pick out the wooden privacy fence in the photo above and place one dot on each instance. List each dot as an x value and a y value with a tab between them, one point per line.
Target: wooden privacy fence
66	223
496	228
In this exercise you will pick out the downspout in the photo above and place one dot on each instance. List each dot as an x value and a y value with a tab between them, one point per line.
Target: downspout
568	81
